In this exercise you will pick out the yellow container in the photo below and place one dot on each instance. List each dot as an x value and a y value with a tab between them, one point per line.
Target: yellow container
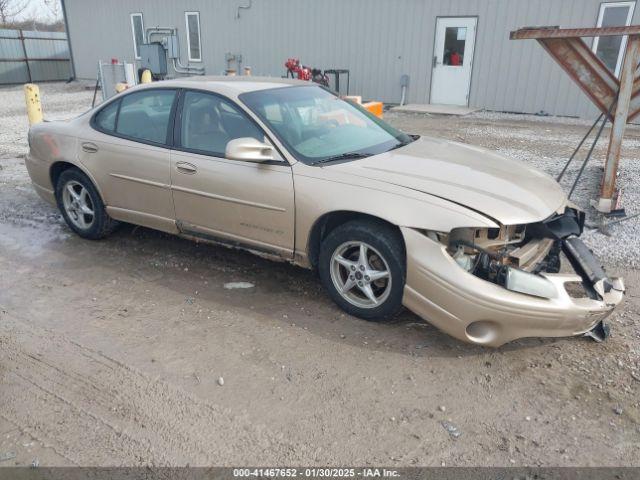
146	77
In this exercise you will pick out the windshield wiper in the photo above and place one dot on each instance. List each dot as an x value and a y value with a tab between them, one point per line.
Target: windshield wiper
343	156
400	145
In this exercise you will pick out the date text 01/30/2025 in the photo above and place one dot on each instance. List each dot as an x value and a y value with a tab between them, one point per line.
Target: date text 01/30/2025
315	472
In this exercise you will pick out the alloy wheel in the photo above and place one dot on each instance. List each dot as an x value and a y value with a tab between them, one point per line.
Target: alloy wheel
78	205
360	274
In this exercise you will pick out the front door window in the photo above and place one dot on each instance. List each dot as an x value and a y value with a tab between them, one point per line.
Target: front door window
208	123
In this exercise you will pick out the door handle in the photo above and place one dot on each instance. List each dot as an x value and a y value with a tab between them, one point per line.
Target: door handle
435	61
184	167
90	147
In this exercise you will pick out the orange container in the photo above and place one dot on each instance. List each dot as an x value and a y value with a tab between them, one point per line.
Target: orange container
374	107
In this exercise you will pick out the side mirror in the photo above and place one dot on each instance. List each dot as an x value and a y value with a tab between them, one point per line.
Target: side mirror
249	150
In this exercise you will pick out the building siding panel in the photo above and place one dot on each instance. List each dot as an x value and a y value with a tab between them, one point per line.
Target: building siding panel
378	40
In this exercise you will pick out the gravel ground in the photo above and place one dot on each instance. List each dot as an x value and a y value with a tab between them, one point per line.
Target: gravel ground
59	101
111	352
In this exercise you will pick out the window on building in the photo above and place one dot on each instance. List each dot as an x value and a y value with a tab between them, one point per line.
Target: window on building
209	123
192	20
611	49
137	30
145	115
455	39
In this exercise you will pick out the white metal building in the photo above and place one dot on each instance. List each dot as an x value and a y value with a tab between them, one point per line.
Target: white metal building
454	51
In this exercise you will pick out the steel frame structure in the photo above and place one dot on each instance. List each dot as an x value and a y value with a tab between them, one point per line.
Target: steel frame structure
617	99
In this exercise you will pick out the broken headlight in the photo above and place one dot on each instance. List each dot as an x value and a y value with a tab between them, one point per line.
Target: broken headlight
529	283
503	256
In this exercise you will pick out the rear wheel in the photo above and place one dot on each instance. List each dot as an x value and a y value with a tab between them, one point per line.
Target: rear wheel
81	205
362	266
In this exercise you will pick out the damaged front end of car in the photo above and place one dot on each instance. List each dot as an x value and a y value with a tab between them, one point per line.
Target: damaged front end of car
527	259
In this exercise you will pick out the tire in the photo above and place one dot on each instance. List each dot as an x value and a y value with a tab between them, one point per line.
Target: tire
384	250
91	226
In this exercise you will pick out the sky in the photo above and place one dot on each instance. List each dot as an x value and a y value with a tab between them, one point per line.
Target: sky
37	10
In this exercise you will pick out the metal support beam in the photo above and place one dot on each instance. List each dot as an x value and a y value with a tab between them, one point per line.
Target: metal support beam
557	32
65	17
26	57
605	203
579	62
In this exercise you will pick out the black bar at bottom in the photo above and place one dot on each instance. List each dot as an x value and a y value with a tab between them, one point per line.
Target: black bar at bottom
427	473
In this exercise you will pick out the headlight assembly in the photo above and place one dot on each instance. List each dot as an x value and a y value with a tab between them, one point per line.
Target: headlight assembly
529	283
500	256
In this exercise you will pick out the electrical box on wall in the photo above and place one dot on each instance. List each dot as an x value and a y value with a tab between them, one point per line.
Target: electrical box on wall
154	58
171	44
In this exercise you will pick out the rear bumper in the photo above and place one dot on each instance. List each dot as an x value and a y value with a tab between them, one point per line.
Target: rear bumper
477	311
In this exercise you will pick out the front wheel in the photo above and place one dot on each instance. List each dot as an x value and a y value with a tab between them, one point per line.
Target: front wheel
362	266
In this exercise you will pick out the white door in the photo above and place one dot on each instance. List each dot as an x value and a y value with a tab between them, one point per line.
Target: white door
452	60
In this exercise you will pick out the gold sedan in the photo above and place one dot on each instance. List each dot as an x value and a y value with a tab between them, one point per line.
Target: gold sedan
465	238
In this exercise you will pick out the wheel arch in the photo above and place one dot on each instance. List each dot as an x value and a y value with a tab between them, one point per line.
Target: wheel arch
329	221
56	169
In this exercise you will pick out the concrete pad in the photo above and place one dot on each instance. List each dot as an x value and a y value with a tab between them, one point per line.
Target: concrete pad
435	109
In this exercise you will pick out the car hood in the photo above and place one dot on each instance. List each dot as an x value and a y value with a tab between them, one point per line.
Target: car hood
502	189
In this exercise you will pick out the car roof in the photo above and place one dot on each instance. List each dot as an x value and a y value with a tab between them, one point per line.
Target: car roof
229	85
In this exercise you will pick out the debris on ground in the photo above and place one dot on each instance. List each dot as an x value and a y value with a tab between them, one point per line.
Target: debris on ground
4	456
453	431
236	285
220	381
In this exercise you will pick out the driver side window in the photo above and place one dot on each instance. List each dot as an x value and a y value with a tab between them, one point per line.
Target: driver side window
208	123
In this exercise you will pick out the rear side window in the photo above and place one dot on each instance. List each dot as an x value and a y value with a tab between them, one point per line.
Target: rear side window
145	115
106	118
208	123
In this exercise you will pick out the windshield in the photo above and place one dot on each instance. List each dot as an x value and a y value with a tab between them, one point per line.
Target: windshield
316	126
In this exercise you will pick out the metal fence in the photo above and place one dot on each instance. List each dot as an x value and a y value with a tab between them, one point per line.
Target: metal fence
30	56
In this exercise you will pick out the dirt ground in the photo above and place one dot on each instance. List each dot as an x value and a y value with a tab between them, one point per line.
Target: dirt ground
111	353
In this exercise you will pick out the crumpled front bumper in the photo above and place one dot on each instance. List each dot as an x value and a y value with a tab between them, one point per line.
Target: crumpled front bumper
478	311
